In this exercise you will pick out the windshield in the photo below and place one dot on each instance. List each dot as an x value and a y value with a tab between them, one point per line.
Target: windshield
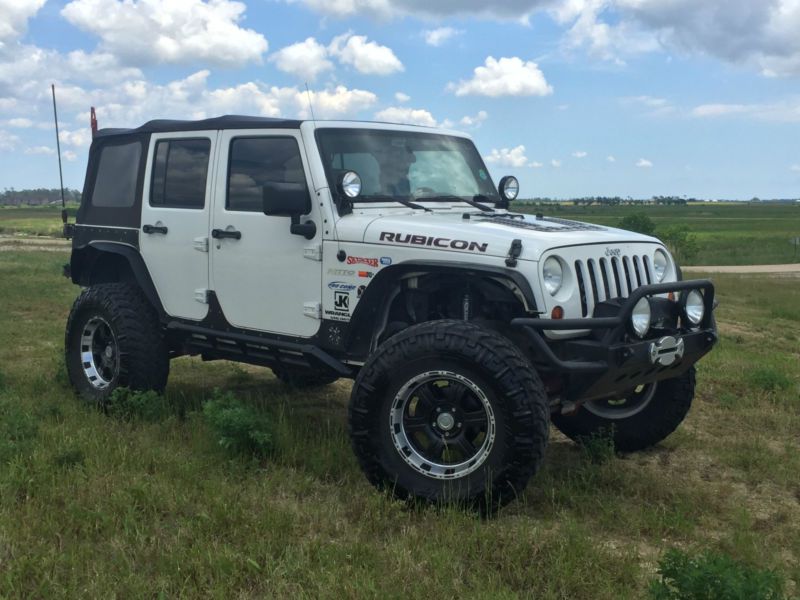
401	165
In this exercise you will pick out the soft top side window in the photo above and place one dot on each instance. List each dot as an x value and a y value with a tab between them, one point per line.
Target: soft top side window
117	175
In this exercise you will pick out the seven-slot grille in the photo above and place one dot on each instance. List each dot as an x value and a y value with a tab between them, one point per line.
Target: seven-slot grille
603	278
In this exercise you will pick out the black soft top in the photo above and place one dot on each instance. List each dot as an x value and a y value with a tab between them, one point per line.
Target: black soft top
225	122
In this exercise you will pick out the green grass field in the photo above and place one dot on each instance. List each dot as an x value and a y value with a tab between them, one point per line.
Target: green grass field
727	234
98	506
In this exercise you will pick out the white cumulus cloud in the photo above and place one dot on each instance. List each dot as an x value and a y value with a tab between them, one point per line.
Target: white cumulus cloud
610	158
14	15
504	77
580	154
367	57
8	141
536	165
409	116
508	157
441	35
305	60
555	163
474	120
402	98
151	31
39	150
643	163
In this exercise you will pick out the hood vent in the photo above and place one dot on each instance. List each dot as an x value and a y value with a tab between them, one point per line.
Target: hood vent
546	224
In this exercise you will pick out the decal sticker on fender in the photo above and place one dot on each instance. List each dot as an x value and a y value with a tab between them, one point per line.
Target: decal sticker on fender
422	240
358	260
342	286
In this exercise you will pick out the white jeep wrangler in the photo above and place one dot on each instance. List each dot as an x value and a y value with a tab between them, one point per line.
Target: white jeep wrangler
382	253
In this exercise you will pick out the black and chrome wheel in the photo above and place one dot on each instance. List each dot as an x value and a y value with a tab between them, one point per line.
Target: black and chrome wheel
448	411
636	420
114	339
99	353
443	424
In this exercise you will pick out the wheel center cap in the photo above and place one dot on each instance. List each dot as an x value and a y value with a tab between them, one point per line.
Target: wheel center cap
109	352
445	421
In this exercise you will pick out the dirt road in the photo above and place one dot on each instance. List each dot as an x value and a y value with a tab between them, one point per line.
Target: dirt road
748	269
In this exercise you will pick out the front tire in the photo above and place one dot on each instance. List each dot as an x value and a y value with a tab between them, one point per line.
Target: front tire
451	412
636	422
113	339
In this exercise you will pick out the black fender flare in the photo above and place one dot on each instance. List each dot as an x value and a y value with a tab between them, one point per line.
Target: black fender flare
377	296
83	260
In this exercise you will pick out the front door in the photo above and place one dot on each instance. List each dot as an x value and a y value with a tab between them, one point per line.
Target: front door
260	273
176	203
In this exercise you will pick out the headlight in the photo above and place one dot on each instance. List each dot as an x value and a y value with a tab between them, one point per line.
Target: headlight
695	307
660	262
640	317
553	275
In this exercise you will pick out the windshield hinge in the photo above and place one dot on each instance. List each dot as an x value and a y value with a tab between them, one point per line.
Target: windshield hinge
313	252
201	295
514	253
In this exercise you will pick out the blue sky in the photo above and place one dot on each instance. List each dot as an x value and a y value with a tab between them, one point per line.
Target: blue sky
574	97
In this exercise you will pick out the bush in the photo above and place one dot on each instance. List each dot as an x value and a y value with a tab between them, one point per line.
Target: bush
638	222
712	577
130	405
239	429
769	379
681	242
598	447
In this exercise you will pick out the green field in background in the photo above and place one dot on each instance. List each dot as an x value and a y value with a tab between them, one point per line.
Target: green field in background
727	233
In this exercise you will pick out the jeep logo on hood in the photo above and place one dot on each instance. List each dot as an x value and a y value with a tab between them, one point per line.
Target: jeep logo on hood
423	240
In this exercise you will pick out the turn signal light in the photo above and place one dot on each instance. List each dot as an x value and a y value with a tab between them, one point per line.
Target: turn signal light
558	313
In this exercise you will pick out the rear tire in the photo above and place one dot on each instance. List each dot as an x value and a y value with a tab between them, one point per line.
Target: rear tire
114	339
633	428
449	412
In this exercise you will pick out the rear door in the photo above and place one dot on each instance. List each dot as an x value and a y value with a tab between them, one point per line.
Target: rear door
265	277
175	219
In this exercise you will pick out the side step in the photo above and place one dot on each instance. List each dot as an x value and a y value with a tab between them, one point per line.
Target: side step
254	349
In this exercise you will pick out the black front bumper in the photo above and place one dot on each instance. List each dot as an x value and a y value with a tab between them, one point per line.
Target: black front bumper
611	359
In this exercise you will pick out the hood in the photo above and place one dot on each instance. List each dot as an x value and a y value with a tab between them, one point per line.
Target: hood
479	233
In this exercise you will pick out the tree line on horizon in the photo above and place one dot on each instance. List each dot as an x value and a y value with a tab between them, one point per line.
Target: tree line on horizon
37	197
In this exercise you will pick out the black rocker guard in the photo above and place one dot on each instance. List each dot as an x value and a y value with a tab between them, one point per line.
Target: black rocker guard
611	359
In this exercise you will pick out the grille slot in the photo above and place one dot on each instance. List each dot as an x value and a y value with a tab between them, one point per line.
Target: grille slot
601	279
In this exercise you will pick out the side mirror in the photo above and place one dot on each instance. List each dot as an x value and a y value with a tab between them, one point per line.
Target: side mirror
509	189
289	200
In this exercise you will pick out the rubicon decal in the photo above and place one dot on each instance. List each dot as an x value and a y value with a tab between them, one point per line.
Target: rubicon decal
358	260
434	242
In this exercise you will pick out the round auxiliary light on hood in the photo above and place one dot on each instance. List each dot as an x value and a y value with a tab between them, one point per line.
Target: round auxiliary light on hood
509	188
350	184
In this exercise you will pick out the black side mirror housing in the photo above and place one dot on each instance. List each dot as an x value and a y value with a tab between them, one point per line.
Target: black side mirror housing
289	200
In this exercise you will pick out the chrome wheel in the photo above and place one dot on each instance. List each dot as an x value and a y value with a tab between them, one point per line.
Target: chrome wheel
442	424
623	408
99	353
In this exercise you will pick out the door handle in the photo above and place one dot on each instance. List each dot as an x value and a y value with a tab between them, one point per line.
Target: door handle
150	229
221	234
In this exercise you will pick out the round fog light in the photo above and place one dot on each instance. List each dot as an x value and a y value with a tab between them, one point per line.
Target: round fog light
640	317
695	307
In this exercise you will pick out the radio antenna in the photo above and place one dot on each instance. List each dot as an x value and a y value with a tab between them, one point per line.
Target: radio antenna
310	104
58	150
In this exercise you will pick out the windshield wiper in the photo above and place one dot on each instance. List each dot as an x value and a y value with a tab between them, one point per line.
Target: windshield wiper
402	201
470	201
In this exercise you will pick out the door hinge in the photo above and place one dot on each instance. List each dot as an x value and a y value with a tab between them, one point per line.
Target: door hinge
313	310
313	252
200	244
201	295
